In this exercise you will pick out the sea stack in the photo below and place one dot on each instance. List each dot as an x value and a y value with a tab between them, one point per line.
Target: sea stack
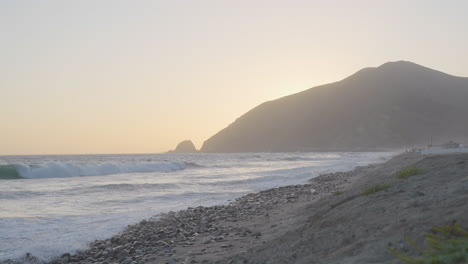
185	146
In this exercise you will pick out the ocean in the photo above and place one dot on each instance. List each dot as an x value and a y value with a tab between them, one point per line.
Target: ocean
50	205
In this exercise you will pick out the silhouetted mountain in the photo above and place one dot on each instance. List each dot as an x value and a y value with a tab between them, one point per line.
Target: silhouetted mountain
185	146
399	104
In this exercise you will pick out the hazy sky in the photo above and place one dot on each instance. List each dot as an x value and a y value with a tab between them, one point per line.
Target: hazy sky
140	76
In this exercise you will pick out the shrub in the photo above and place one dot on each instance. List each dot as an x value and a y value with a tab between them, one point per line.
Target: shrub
446	245
408	172
375	188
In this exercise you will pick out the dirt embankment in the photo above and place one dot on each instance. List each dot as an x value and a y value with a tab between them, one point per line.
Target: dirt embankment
350	228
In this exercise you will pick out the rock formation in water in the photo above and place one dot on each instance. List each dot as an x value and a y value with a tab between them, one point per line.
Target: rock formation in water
185	146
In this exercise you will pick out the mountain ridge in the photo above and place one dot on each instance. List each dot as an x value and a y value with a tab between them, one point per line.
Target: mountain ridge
398	104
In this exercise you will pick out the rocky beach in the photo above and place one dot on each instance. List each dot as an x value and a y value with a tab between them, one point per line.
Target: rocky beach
329	220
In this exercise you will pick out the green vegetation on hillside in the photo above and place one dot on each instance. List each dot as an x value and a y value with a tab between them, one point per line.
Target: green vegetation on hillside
375	188
446	245
408	172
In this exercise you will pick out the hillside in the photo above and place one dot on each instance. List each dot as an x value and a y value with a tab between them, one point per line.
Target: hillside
349	227
399	104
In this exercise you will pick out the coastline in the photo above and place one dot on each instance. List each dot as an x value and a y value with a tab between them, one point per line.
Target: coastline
267	227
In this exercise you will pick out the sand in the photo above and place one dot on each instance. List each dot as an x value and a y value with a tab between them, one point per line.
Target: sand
359	230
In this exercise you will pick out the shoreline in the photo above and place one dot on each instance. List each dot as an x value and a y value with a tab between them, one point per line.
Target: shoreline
206	234
244	230
216	232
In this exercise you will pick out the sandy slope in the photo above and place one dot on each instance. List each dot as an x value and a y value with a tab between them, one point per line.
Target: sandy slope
359	230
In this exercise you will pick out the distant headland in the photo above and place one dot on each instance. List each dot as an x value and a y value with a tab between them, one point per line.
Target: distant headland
397	105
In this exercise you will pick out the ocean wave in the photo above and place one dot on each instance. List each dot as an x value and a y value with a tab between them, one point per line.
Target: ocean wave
193	165
64	170
125	187
13	195
8	172
299	158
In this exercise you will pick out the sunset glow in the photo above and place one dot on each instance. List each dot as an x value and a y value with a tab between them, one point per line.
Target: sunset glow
141	76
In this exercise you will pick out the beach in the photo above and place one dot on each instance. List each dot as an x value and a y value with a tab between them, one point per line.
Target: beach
327	220
62	203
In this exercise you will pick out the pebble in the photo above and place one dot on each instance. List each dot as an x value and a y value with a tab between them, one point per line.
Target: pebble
158	236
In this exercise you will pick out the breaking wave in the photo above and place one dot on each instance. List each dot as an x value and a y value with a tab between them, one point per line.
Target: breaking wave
8	172
63	170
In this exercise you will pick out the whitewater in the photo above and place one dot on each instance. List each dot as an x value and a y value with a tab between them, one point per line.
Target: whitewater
50	205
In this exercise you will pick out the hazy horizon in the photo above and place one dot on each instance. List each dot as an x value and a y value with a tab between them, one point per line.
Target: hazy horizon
139	77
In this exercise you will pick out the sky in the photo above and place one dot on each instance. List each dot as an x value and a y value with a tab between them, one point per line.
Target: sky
111	76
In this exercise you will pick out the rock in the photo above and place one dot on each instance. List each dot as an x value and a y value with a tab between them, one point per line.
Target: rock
74	259
226	245
185	146
122	255
207	240
65	258
127	261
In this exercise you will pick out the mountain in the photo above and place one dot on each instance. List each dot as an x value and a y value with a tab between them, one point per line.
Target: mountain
185	146
396	105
